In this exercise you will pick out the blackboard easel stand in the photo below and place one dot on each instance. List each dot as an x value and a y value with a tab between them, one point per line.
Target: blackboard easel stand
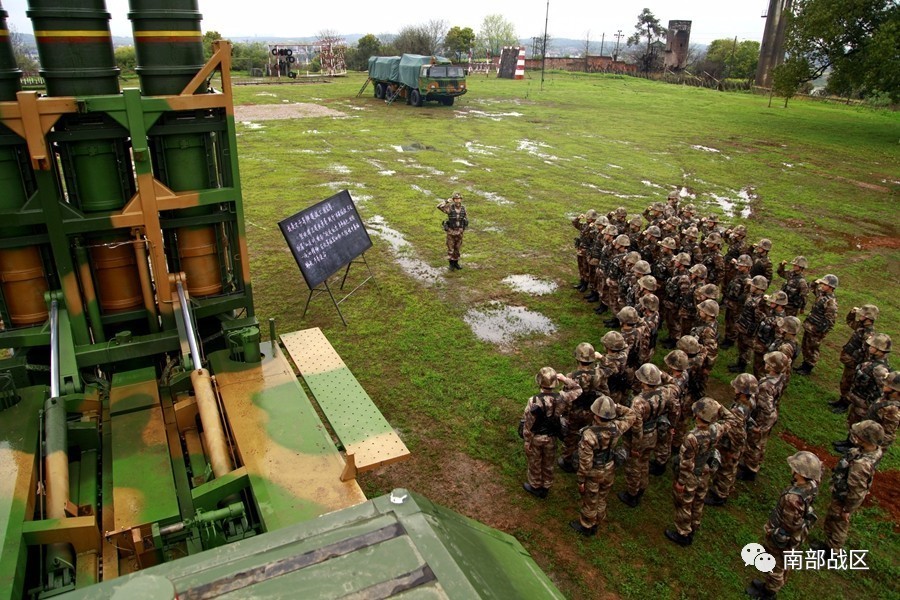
324	287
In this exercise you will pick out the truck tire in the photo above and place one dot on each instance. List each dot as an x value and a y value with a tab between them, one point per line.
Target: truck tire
447	101
415	98
379	91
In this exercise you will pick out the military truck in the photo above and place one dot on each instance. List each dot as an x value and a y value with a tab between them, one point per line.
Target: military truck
416	78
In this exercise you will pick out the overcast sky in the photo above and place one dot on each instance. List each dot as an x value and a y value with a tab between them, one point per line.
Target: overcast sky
712	19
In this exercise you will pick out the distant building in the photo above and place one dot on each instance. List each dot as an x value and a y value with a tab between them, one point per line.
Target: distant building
677	42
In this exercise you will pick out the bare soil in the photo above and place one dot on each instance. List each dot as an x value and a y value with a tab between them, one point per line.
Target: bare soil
271	112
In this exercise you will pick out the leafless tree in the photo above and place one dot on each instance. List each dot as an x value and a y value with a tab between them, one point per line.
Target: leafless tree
435	31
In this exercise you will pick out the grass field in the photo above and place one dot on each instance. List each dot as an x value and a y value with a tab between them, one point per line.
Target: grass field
818	179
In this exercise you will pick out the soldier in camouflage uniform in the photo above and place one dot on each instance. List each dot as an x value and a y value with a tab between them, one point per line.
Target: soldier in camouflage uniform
635	229
636	340
586	235
615	271
819	322
851	480
868	383
656	411
713	260
737	246
734	442
764	417
677	288
734	296
599	258
690	244
611	366
697	461
669	228
619	219
786	342
795	287
748	321
541	428
789	523
767	328
862	321
596	467
762	264
676	384
654	214
632	289
455	225
707	333
688	309
688	216
696	355
709	225
649	312
649	244
886	411
577	415
672	201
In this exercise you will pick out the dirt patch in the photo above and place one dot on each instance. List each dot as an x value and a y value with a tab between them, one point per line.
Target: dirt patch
885	488
271	112
878	241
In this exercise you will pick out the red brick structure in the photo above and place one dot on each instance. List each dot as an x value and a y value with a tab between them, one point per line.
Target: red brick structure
593	64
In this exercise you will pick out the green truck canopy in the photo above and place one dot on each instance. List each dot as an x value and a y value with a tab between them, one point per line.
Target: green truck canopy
384	68
403	69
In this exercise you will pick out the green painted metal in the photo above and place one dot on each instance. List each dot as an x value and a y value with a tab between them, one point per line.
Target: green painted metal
10	74
168	44
411	549
75	47
209	495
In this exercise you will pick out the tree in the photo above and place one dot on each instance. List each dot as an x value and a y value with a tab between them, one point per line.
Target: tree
787	77
249	55
647	26
412	39
208	38
435	31
459	40
495	33
857	41
586	50
126	59
21	52
731	59
358	58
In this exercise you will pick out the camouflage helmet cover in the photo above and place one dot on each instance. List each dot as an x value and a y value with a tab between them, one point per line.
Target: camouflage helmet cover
591	215
546	377
829	280
610	230
677	360
689	344
623	240
764	244
744	260
800	261
893	381
714	238
653	231
628	315
648	373
791	325
760	282
673	195
642	267
710	290
636	222
880	341
739	231
776	360
868	311
746	384
613	341
868	431
650	301
632	257
621	212
700	271
604	407
668	243
806	464
584	352
673	221
648	282
709	307
683	258
456	195
692	232
779	298
706	409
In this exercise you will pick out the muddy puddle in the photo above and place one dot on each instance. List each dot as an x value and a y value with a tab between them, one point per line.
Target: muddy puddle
530	284
502	324
403	252
536	149
481	149
736	205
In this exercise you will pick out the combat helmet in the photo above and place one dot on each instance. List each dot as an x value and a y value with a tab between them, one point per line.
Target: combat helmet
880	341
621	212
584	353
642	267
603	220
653	231
710	290
648	373
790	324
689	344
806	464
636	222
760	282
776	360
779	298
744	260
800	261
739	231
868	431
623	240
613	341
868	311
692	232
650	301
648	282
683	258
713	218
546	377
746	384
689	209
631	258
674	195
893	381
628	315
829	280
764	243
667	243
699	270
706	409
709	307
604	407
591	215
610	230
673	221
714	238
456	196
677	360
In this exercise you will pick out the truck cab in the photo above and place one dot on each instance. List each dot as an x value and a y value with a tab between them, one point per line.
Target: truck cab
441	82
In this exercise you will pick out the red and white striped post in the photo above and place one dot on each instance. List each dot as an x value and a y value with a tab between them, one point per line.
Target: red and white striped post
520	64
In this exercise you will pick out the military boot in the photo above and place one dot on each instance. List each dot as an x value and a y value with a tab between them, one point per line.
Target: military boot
629	500
612	323
842	446
757	589
726	343
713	499
804	369
745	474
566	465
739	367
593	296
657	468
582	286
535	491
585	531
681	540
839	406
601	308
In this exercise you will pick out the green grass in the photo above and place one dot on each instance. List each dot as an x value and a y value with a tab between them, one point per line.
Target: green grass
827	180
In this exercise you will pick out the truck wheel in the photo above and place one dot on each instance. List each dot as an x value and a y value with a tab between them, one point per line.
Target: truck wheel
379	91
415	98
447	101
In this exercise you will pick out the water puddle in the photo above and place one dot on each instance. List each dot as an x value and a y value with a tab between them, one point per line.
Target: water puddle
738	206
387	173
686	192
649	183
339	169
533	148
403	252
493	197
269	94
787	165
462	114
482	149
500	324
705	149
414	147
612	166
611	193
463	162
421	190
530	285
252	125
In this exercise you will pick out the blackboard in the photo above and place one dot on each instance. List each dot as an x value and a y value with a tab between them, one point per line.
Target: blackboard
325	237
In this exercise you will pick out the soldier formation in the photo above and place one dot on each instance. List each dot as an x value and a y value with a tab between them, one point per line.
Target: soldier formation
672	270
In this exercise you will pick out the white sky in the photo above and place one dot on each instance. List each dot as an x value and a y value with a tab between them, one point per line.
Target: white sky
712	19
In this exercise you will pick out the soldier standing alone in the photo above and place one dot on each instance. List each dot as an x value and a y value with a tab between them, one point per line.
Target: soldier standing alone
455	224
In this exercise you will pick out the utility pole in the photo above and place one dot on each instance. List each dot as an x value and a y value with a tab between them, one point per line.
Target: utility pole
618	37
602	37
544	54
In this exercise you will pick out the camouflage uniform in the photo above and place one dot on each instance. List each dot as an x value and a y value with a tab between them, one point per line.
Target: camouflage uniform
578	414
731	446
707	333
790	348
596	467
787	529
455	224
751	315
765	335
735	296
656	411
854	351
886	412
586	236
796	289
762	265
676	389
818	323
614	273
693	475
851	480
540	440
715	266
736	247
867	388
678	287
696	361
764	418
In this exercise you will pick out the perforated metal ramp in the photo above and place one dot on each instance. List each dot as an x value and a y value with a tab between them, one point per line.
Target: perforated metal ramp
356	420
